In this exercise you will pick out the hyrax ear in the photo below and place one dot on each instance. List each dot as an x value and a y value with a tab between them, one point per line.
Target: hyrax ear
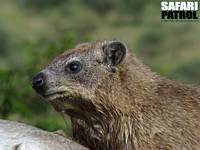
115	52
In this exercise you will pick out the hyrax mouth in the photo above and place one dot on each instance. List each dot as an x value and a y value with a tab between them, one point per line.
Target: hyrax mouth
54	95
72	104
63	98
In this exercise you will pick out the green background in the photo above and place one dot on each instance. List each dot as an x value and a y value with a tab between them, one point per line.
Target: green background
33	32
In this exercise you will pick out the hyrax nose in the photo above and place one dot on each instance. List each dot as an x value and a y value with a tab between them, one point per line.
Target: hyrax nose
38	83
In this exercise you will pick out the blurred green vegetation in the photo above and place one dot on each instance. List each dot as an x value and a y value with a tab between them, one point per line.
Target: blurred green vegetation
32	32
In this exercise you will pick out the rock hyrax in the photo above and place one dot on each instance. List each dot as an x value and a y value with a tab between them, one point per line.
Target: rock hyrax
117	103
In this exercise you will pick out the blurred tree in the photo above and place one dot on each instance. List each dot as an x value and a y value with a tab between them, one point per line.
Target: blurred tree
150	42
3	42
188	72
135	8
41	4
102	7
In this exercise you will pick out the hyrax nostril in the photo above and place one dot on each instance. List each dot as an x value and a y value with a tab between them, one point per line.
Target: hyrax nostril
38	83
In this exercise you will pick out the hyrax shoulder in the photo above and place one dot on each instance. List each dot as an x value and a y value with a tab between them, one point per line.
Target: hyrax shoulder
115	102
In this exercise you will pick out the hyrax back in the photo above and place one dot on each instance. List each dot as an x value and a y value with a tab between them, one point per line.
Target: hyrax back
115	102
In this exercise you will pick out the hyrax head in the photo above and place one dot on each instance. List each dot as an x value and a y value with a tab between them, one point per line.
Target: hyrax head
75	76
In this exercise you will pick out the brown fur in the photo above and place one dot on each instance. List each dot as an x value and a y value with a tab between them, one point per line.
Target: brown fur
130	108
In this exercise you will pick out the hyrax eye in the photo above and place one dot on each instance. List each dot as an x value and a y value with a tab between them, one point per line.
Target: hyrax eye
74	67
